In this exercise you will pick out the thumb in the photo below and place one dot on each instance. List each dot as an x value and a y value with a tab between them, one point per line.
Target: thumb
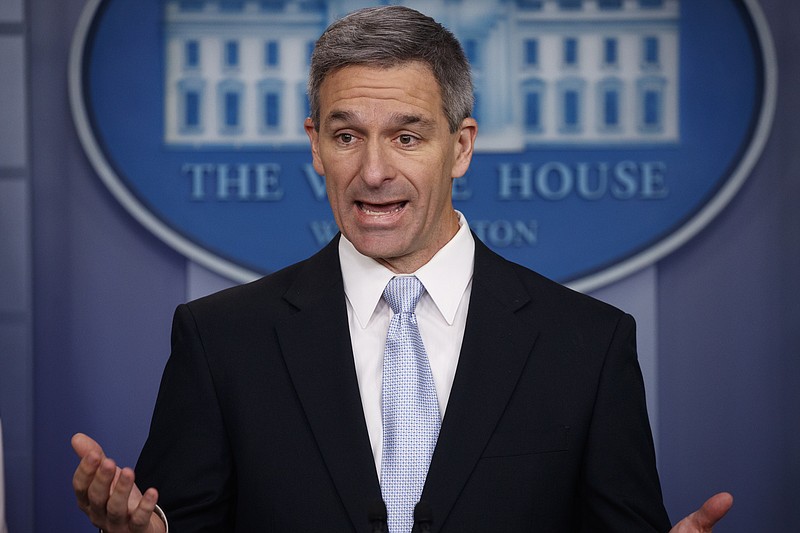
84	444
713	510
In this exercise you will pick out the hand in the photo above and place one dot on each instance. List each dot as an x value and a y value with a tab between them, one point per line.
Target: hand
704	519
108	495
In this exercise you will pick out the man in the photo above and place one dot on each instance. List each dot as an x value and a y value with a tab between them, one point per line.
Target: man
271	417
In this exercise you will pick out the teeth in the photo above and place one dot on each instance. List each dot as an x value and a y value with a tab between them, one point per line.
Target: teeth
372	211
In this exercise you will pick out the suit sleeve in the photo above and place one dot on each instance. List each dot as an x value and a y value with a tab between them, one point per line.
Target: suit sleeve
621	490
186	455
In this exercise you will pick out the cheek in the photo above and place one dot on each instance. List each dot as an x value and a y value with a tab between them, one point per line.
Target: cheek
331	188
442	190
336	187
342	173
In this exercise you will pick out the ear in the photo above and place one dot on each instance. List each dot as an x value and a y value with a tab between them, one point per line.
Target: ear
464	146
313	136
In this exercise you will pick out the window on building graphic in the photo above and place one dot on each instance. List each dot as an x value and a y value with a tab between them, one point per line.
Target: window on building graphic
272	110
570	4
610	104
611	108
271	53
231	54
191	54
571	51
190	106
609	4
651	51
231	5
651	3
610	51
533	91
232	105
651	105
192	109
571	109
270	94
531	52
191	5
231	99
571	105
652	108
533	111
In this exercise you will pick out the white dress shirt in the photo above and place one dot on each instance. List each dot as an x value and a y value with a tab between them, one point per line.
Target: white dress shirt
441	315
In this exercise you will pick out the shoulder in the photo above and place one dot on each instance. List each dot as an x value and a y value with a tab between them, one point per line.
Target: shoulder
549	300
272	294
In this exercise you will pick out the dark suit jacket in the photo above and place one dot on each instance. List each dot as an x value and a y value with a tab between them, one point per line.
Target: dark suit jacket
259	426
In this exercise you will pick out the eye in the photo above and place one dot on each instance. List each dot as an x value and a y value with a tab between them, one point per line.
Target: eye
406	139
345	138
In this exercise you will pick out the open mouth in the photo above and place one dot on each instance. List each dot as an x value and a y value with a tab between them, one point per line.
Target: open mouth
380	209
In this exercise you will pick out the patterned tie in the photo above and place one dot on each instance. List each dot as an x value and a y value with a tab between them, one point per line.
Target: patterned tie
410	409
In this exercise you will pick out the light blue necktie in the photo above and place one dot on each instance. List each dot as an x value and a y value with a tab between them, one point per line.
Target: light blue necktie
410	409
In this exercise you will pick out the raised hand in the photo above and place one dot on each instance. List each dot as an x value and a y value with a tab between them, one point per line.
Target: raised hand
108	494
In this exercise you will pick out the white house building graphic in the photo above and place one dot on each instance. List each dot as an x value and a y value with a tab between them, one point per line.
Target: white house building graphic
547	72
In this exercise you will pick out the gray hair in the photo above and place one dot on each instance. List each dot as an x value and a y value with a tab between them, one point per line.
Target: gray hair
388	36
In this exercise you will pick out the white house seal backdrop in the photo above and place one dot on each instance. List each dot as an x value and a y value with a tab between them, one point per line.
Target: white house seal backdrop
611	131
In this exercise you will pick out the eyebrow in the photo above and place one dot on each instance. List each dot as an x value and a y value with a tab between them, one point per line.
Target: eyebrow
396	120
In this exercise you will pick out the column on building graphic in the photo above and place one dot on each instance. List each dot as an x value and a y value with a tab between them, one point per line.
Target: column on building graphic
236	71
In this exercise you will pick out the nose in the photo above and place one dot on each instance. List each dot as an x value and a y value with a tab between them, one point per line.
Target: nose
376	165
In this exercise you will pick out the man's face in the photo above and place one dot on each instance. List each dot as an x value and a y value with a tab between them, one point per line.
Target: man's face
388	158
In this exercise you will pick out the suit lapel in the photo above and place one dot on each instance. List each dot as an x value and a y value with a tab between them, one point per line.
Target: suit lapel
316	347
494	351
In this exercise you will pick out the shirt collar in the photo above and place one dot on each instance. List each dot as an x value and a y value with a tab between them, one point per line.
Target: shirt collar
445	277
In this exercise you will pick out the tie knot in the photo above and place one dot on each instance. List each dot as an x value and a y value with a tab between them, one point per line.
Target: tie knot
402	293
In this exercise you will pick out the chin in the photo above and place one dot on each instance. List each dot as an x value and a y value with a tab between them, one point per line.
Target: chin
377	247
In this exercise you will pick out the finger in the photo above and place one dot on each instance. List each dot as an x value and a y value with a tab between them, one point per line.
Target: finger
100	488
117	506
713	510
83	477
141	516
83	445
